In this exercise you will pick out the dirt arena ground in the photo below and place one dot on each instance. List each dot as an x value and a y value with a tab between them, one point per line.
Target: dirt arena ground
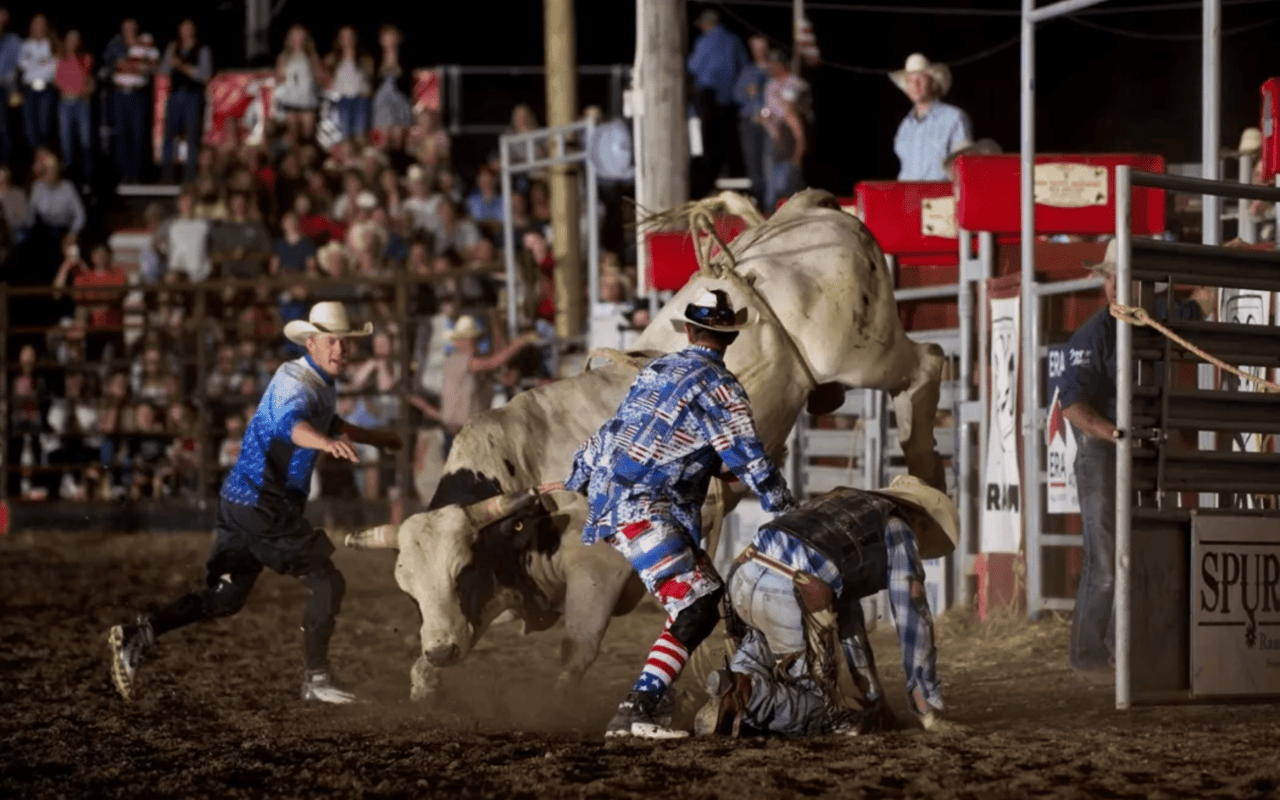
220	716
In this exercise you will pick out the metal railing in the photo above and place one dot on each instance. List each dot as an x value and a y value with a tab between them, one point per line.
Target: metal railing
1161	469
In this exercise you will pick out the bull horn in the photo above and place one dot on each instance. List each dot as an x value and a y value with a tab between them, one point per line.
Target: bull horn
490	510
383	537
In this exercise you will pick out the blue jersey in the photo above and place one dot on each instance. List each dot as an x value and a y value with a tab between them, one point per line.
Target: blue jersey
272	472
685	415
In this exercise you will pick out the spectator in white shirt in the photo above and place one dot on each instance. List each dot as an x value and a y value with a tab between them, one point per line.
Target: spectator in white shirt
188	239
39	61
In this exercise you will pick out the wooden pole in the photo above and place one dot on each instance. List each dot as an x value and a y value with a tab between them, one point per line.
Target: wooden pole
663	134
562	109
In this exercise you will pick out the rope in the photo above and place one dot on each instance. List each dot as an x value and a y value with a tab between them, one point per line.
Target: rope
1136	315
724	265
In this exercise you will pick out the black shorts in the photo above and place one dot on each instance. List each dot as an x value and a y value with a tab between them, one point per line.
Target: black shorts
246	539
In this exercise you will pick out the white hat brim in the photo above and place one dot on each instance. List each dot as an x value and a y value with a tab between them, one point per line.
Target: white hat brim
299	330
940	73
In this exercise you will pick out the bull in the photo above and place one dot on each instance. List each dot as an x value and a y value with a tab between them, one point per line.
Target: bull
826	319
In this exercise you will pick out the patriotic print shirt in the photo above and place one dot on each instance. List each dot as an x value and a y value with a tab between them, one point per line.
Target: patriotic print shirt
685	415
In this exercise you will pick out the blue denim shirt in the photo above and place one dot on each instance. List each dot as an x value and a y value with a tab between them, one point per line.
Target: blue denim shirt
10	47
923	143
717	58
749	105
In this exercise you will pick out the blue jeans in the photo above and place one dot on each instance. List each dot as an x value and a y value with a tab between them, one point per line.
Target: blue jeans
754	141
39	115
1093	625
353	116
183	116
130	140
784	181
74	122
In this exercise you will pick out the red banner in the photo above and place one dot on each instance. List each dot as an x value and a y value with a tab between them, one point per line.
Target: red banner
1270	126
239	100
426	90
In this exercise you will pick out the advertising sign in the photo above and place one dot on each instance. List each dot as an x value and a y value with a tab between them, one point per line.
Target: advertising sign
1060	441
1235	605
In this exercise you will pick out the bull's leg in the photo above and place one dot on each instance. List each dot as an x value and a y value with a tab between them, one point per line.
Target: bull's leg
590	597
424	680
917	409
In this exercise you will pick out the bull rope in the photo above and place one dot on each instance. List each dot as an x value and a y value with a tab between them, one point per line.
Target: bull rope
724	264
1138	316
625	360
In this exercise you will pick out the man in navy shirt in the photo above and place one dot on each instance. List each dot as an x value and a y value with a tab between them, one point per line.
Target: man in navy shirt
260	510
1089	400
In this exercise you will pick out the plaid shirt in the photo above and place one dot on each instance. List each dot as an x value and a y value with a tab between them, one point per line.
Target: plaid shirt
685	415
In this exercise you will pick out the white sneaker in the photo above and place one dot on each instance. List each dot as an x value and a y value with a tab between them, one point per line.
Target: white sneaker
128	643
642	716
318	687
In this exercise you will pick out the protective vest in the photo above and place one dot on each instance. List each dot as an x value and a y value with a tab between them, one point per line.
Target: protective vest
847	526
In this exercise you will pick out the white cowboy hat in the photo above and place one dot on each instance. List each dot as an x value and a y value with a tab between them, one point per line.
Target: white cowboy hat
916	62
465	328
713	310
1250	144
939	536
1107	265
330	317
331	249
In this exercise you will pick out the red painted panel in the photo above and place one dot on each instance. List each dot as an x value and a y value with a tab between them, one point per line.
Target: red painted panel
891	209
1270	126
673	258
988	191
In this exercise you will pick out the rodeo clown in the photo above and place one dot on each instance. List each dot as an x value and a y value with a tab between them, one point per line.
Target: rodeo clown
646	474
795	594
260	521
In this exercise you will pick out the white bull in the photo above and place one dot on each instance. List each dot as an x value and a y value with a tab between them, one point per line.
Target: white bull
825	318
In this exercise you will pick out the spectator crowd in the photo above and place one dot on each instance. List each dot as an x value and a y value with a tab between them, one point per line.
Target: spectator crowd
111	352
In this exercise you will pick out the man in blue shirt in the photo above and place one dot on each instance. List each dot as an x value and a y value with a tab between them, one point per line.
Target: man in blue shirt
10	48
1089	403
748	93
932	129
646	473
714	63
260	510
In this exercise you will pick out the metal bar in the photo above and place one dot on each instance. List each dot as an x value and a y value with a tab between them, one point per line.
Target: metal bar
1033	421
1058	540
1032	14
925	292
404	353
593	228
202	409
514	290
455	97
1067	287
1210	165
1030	447
964	434
1179	183
1124	445
1247	228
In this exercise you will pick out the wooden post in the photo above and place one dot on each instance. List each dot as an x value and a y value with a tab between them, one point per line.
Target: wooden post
662	179
562	109
404	463
203	419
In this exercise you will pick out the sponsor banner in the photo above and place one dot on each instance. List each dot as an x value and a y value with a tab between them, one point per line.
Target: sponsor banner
1060	441
938	217
1070	185
1001	528
1235	605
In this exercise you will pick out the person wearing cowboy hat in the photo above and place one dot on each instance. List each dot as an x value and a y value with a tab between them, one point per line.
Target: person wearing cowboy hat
796	594
646	473
466	385
260	520
1088	397
932	129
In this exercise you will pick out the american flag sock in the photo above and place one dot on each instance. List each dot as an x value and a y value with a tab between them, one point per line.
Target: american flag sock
666	660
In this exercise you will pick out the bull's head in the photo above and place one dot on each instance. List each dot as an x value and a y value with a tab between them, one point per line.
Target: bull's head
465	565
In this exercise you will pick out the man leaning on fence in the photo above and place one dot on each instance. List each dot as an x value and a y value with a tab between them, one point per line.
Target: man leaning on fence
1089	400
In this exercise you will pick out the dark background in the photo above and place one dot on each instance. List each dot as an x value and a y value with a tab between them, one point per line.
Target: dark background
1099	91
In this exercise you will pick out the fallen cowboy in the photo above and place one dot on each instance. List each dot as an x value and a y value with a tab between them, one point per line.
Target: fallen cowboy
795	597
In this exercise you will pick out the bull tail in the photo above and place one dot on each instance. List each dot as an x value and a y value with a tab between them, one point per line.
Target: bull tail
383	537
